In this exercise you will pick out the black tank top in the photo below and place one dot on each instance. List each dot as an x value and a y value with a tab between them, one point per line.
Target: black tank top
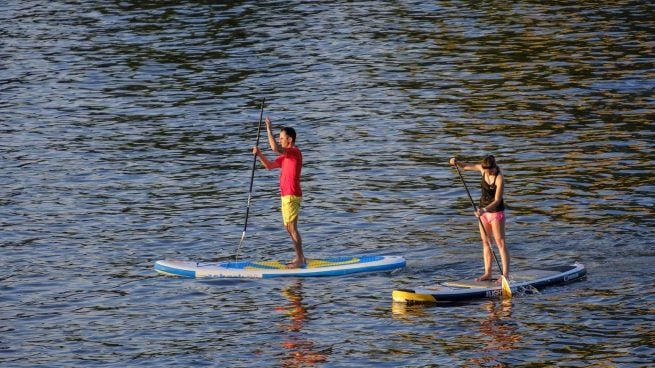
489	194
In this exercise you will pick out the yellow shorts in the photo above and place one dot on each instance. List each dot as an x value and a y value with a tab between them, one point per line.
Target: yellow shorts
290	208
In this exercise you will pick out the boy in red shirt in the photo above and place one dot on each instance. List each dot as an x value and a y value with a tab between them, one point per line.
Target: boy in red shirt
290	163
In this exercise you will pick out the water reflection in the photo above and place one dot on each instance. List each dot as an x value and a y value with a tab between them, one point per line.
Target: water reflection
498	334
405	311
125	134
492	329
299	351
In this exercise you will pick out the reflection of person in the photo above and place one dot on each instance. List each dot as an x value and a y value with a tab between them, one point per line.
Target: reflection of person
297	310
491	212
290	163
302	351
500	336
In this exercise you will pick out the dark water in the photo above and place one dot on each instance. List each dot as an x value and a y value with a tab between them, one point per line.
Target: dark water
126	130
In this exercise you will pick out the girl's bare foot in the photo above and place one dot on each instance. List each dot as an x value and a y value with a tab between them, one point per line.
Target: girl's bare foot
484	277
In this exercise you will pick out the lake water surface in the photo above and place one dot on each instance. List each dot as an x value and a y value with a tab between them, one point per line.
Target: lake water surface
126	135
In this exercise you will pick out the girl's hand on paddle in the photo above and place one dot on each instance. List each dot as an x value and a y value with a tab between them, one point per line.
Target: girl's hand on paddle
453	161
255	150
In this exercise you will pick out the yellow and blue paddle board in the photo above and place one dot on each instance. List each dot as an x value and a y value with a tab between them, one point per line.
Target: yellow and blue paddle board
331	266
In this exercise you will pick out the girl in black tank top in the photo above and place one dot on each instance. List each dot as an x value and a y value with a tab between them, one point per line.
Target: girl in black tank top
489	195
491	212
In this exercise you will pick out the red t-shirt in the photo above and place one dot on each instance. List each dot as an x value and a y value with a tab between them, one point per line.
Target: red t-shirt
290	164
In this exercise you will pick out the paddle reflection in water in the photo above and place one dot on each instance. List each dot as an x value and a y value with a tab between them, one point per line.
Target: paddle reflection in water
301	351
497	334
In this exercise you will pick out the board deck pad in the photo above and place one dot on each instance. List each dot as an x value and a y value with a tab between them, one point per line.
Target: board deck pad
520	281
330	266
526	275
279	265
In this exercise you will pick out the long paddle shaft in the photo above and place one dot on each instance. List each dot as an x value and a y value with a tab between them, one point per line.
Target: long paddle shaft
480	220
252	179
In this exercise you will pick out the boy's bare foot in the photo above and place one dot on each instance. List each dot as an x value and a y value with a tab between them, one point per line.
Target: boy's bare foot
296	264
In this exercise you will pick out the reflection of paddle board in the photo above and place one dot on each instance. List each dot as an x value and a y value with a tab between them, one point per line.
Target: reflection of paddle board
331	266
470	289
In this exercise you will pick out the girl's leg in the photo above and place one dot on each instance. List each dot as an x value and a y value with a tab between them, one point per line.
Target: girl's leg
486	253
498	228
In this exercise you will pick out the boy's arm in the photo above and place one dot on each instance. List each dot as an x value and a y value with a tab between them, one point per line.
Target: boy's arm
271	139
267	164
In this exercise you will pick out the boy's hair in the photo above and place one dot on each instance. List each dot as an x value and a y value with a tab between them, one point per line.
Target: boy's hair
290	132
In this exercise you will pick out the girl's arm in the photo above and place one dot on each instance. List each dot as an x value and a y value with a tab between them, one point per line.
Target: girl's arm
454	161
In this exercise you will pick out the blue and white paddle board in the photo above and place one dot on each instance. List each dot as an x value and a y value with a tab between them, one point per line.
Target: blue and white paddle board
519	281
332	266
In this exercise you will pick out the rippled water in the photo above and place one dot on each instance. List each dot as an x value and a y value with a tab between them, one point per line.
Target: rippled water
126	130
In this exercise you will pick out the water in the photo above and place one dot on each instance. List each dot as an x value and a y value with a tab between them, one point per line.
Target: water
126	136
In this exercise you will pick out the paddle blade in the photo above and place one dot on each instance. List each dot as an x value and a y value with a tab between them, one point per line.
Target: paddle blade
507	291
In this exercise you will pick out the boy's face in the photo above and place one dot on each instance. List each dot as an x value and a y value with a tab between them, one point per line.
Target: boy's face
285	140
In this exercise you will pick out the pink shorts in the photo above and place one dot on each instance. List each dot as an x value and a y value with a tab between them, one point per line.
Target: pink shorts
489	217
